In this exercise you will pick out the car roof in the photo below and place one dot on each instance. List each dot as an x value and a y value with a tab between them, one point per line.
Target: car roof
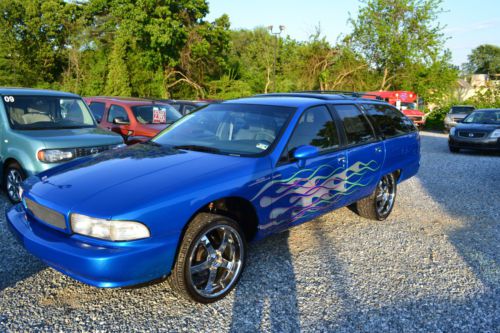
130	101
489	110
299	99
34	92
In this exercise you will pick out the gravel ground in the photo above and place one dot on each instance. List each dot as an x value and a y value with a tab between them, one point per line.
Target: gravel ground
433	266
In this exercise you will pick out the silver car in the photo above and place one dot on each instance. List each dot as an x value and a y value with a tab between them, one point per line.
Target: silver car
457	113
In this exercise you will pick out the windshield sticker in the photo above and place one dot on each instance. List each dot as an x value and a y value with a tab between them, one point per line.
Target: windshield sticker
159	116
9	99
262	146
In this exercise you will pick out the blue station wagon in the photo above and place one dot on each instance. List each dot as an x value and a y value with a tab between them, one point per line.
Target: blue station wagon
184	204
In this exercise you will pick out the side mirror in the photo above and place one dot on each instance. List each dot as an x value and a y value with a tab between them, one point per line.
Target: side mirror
305	152
120	121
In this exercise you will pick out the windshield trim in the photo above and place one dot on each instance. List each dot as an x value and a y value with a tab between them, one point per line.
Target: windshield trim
9	120
268	151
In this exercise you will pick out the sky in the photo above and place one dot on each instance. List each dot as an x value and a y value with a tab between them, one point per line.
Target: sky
468	24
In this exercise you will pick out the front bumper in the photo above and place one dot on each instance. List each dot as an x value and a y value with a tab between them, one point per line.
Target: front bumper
479	144
106	266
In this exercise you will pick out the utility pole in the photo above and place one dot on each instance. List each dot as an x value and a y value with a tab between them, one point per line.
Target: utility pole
277	35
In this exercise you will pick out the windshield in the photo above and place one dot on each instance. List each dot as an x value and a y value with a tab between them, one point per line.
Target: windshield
462	109
238	129
47	112
408	106
155	114
484	117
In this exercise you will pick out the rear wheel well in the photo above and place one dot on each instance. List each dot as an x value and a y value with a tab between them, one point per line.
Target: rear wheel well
397	174
236	208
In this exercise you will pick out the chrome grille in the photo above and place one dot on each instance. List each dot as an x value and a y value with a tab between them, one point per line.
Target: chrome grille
85	151
468	134
46	215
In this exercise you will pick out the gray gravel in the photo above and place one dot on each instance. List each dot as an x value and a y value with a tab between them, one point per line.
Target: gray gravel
433	266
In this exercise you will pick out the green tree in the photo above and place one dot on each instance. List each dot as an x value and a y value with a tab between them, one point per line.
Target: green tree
403	41
484	59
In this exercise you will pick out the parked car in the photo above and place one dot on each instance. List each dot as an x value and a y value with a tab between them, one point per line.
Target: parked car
186	106
479	130
456	114
135	119
185	204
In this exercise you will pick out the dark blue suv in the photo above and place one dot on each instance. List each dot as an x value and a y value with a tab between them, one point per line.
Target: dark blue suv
185	204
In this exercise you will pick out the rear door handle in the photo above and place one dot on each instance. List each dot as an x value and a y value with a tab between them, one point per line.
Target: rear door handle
341	160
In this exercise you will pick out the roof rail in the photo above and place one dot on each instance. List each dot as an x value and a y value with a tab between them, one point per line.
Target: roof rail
299	94
356	94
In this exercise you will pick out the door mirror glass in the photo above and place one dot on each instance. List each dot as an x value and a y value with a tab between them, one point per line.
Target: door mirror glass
305	152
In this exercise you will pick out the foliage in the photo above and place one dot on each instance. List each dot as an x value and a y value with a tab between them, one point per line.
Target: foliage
166	48
403	42
484	59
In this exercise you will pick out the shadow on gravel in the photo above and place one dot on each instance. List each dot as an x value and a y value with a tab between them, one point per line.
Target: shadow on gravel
266	297
467	186
16	264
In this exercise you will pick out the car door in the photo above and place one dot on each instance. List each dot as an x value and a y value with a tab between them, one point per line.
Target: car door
304	189
118	112
365	153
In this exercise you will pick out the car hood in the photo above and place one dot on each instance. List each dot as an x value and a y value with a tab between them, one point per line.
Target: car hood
80	137
409	112
116	181
476	127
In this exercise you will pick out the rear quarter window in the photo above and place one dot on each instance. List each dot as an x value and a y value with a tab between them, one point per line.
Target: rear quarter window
388	120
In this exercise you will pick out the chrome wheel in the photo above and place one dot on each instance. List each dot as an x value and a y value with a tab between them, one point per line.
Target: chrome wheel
14	180
386	192
216	261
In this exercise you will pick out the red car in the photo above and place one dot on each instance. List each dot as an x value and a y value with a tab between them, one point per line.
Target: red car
406	101
135	119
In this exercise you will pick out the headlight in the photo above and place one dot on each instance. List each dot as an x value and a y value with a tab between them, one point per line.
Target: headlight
121	145
495	133
108	229
56	155
452	131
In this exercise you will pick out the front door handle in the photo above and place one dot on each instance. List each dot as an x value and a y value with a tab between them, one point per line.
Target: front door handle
378	149
341	160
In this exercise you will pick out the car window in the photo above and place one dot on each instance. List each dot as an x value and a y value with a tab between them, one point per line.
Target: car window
316	128
155	114
188	109
356	126
47	112
116	111
176	106
388	120
239	129
97	109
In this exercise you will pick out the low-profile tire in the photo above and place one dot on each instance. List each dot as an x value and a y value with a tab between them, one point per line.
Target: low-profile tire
379	204
13	176
210	259
454	149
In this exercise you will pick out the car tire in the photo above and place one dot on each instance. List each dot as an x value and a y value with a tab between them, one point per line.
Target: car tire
378	206
13	176
210	259
454	149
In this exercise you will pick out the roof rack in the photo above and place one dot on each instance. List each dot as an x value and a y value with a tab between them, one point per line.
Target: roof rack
356	94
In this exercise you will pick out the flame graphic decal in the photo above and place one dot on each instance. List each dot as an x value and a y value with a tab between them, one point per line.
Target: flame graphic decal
310	191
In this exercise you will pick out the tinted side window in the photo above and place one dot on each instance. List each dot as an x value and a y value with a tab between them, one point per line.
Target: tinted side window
316	128
357	128
116	111
389	121
97	109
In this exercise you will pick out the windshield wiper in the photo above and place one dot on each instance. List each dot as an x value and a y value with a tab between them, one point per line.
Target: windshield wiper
198	148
